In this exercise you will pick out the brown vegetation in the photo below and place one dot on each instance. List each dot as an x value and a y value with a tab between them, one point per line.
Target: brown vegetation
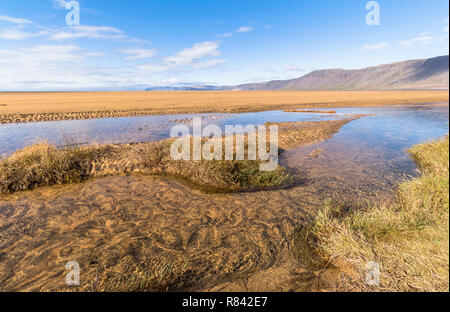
409	239
43	164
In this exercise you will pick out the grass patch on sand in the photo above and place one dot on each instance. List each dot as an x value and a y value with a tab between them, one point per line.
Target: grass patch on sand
44	165
409	239
214	175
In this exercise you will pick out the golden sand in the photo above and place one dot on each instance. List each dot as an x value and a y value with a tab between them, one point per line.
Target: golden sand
46	106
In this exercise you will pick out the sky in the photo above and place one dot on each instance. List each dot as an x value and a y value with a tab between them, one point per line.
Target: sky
132	45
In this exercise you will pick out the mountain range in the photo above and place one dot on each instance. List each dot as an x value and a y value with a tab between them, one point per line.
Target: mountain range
423	74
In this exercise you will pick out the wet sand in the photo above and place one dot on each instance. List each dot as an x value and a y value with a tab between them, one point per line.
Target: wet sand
162	234
52	106
154	233
129	228
294	134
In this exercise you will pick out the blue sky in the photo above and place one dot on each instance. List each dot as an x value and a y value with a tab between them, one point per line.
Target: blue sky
130	45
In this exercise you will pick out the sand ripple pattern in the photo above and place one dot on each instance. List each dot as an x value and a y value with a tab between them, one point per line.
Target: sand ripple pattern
154	233
115	226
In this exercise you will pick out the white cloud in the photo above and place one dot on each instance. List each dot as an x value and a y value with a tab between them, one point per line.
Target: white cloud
426	40
187	59
13	20
94	54
226	35
41	56
244	29
154	68
51	53
405	43
196	52
291	67
423	38
138	54
86	31
69	67
139	41
208	64
60	67
59	4
15	34
375	47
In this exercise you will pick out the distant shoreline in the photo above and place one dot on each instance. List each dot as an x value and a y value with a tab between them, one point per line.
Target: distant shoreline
55	106
202	91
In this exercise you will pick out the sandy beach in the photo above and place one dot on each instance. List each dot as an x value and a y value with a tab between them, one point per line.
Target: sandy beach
49	106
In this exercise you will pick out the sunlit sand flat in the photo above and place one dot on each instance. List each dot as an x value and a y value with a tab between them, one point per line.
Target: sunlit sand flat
45	106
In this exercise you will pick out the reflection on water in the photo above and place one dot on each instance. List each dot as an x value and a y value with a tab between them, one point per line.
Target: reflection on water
129	129
371	152
368	151
368	154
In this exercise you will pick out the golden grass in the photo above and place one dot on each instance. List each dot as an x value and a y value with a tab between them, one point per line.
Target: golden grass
25	107
43	165
410	239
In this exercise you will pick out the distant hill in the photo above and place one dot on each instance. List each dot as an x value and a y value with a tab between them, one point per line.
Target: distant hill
187	88
432	73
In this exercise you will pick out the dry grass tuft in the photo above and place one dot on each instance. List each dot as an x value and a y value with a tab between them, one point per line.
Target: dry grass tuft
215	175
410	240
44	165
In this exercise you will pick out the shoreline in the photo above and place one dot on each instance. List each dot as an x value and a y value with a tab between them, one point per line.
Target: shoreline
75	163
40	107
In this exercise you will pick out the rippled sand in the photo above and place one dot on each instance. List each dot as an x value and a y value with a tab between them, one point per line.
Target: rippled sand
151	233
158	231
154	233
113	226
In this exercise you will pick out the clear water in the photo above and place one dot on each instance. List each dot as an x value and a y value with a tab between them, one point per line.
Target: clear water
370	154
383	137
166	220
129	129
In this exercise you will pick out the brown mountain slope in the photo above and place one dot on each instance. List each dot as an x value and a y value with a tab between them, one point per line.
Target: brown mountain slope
430	73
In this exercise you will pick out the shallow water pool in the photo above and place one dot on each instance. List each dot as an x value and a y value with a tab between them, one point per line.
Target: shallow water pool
130	129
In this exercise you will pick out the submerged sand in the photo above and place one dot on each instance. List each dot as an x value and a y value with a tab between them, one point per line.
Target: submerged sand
154	233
